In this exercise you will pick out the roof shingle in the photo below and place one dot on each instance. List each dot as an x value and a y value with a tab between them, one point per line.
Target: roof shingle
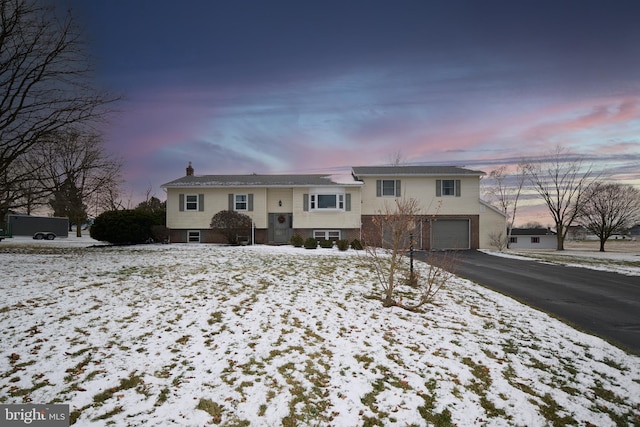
412	170
253	181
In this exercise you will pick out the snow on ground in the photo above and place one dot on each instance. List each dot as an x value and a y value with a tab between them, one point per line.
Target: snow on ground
627	263
193	334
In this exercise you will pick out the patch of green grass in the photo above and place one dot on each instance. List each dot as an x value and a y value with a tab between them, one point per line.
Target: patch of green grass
162	397
480	385
183	340
606	394
211	408
612	363
364	359
509	374
550	409
111	413
427	411
77	370
133	381
244	384
370	399
307	405
15	391
215	317
509	346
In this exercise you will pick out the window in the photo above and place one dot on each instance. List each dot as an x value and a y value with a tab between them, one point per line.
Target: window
241	202
332	235
191	202
448	188
388	187
513	239
326	201
535	239
193	236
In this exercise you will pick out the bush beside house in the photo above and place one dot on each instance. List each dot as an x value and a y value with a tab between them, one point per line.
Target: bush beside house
123	227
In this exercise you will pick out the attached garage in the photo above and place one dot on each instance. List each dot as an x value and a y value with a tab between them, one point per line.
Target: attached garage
450	234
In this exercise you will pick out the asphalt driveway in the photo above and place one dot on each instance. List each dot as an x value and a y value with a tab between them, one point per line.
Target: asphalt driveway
602	303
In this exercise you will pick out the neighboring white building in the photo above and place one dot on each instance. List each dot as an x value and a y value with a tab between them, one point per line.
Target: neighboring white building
336	207
533	238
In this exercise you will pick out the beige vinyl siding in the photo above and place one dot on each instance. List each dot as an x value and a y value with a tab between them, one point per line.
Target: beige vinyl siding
264	201
275	195
491	222
423	189
215	200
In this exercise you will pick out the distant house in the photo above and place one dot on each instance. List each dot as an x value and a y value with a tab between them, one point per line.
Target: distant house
634	232
336	207
577	232
533	238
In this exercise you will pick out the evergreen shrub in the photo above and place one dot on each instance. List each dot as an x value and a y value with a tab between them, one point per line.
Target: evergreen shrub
123	227
327	244
310	243
297	240
342	244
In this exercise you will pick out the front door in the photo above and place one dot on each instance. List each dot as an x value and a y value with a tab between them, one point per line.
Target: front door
280	227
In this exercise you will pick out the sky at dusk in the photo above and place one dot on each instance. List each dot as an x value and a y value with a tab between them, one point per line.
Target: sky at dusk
319	86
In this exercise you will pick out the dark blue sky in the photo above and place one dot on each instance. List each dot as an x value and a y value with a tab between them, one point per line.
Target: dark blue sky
308	86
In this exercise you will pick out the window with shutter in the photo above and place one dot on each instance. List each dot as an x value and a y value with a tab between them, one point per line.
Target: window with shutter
326	202
241	202
448	187
191	202
388	187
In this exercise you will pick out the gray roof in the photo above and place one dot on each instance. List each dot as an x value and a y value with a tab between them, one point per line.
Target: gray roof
359	171
255	181
532	232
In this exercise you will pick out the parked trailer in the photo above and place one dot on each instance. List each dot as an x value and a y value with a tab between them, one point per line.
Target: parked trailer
27	225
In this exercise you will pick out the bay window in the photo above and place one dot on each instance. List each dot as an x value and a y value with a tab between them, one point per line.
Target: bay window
326	201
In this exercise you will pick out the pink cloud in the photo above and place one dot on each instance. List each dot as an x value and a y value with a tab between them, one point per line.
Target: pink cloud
596	117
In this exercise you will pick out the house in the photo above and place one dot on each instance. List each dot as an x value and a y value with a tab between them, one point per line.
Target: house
533	238
280	205
336	207
577	232
453	215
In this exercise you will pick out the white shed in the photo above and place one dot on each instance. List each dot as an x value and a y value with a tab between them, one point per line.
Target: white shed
533	238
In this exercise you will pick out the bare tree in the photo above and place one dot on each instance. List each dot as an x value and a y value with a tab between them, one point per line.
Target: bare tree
505	192
562	181
78	172
533	224
396	158
396	225
45	86
609	209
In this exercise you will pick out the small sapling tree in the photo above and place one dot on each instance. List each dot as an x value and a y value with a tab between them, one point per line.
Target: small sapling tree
401	285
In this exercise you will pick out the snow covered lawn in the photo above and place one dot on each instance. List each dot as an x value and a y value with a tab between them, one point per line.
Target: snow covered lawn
270	336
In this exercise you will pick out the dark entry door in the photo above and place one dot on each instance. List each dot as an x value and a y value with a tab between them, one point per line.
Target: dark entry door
280	227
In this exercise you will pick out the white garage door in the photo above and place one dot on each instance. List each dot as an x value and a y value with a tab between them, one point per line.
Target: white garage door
450	234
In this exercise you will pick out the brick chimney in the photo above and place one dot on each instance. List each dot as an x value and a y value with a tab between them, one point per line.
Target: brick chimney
189	170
